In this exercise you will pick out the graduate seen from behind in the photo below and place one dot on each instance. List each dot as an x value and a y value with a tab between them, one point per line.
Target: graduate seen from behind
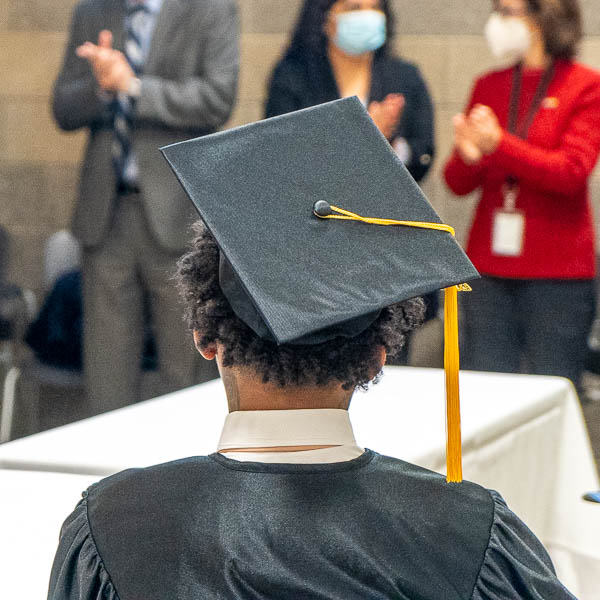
299	308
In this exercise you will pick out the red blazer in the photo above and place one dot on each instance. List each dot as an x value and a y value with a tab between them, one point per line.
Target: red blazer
553	166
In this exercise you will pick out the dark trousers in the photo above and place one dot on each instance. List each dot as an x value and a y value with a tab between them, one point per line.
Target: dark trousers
531	326
117	275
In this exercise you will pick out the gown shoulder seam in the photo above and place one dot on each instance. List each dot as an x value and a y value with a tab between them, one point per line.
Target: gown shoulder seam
487	548
93	541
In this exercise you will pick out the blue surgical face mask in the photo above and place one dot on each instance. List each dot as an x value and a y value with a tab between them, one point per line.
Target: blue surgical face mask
360	31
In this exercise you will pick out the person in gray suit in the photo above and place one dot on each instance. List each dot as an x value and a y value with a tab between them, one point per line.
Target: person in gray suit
140	75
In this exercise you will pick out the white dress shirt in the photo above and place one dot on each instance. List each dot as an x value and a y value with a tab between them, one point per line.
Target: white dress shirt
302	427
147	29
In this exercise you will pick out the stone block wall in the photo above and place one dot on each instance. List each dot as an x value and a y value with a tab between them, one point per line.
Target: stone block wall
39	164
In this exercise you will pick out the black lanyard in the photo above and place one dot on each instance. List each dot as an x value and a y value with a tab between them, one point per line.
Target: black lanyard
513	109
515	99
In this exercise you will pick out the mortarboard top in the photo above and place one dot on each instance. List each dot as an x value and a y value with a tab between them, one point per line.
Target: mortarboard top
255	188
290	275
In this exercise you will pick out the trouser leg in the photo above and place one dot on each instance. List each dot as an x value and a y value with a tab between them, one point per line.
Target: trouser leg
557	316
179	363
489	327
112	301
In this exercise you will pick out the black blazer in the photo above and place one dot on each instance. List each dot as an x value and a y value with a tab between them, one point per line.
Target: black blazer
295	85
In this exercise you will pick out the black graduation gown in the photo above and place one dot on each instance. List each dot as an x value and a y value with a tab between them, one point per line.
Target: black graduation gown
369	528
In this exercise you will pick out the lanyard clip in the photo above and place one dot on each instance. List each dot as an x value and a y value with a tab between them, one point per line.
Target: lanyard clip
510	191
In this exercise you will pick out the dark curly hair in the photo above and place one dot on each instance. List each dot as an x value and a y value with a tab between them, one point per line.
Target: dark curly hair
560	22
308	40
351	361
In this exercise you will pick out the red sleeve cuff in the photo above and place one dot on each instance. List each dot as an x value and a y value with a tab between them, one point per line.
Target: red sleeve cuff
508	154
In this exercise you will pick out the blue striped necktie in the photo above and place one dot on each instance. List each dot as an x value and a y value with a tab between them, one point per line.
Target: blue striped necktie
123	157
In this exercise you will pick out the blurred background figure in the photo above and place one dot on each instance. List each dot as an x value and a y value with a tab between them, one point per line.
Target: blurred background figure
17	305
139	75
528	141
55	335
341	48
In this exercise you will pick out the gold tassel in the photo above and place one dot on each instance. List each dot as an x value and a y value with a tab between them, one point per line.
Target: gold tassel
451	368
451	358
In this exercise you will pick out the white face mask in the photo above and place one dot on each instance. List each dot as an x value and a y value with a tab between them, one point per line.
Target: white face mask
508	38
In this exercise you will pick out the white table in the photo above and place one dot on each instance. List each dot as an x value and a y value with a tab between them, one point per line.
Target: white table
522	435
33	507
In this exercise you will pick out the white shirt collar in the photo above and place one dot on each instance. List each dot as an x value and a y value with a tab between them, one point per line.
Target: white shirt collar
153	6
303	427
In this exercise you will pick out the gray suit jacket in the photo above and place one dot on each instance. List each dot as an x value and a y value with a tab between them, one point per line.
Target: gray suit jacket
188	89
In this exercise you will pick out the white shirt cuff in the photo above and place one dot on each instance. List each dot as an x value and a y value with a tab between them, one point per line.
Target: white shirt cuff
402	149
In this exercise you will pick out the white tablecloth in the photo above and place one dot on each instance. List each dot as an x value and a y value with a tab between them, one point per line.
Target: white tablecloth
33	507
522	435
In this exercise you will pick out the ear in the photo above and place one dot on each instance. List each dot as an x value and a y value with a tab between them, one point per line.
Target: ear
207	352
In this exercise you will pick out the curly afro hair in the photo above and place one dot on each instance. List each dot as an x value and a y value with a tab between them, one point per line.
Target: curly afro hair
351	361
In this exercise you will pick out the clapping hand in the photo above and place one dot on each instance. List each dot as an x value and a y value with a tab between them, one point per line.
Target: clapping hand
477	134
110	67
465	141
387	113
486	129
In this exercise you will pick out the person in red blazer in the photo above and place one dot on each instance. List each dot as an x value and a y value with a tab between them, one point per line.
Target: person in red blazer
528	141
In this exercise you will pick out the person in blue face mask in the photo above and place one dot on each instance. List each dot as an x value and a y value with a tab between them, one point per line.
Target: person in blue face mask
341	48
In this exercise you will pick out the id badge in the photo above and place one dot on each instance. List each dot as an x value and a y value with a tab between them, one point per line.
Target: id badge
507	233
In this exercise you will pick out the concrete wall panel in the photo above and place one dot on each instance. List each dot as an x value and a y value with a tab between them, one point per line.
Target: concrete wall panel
468	58
245	112
260	53
24	73
429	53
269	16
4	14
39	15
590	52
25	260
441	17
28	134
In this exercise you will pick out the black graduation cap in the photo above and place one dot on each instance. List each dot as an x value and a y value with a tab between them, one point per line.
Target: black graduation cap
290	274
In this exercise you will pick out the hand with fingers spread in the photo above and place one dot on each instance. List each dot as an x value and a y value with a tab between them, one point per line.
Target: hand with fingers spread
465	140
110	67
486	129
387	113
